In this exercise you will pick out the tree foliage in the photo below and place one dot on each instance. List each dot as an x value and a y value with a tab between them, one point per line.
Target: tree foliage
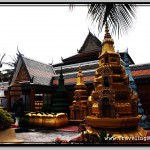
118	16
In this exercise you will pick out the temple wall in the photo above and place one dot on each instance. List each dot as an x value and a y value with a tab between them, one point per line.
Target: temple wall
143	89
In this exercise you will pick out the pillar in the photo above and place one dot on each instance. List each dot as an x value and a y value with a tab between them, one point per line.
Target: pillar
32	100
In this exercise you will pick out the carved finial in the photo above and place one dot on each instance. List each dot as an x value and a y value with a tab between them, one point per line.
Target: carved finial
107	45
51	62
19	51
61	72
80	80
126	59
107	34
106	28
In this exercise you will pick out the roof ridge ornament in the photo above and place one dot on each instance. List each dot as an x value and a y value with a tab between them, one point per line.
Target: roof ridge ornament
80	70
61	73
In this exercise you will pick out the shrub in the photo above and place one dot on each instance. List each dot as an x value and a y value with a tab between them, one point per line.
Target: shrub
60	141
23	122
5	119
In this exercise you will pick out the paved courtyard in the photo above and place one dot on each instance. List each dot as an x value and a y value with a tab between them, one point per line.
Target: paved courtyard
45	136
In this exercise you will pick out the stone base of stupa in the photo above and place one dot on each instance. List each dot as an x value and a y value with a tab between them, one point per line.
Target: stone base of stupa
113	123
137	135
125	130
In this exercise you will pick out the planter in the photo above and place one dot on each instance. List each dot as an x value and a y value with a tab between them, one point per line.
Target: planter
61	120
9	136
49	121
38	120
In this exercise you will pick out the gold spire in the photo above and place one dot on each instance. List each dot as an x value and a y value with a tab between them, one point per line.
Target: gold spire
107	45
80	78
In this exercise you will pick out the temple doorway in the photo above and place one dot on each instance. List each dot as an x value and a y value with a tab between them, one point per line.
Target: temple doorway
106	108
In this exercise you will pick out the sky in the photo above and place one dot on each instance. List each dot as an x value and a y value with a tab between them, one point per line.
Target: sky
47	33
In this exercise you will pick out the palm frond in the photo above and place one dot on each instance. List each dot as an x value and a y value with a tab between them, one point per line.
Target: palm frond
119	16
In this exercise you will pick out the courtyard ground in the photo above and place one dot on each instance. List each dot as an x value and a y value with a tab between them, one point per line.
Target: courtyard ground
47	136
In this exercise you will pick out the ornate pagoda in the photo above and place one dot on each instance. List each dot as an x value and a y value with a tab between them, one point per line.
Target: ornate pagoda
79	107
60	102
114	104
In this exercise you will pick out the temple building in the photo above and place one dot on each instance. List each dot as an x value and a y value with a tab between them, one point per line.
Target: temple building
36	82
141	75
30	82
87	58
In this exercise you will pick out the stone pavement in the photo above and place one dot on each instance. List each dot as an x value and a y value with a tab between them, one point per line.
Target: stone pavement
45	136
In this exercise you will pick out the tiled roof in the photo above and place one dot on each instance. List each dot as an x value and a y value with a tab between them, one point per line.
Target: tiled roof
83	55
137	73
91	43
79	58
141	74
74	80
140	71
41	73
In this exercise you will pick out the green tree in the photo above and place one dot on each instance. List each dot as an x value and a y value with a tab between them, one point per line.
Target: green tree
7	73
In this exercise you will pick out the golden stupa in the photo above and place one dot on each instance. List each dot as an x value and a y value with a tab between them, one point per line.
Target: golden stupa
113	103
79	107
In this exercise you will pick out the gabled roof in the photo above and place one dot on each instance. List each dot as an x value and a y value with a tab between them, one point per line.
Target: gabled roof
129	57
88	52
39	73
91	43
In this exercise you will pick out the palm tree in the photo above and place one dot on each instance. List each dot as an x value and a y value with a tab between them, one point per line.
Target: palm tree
118	16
